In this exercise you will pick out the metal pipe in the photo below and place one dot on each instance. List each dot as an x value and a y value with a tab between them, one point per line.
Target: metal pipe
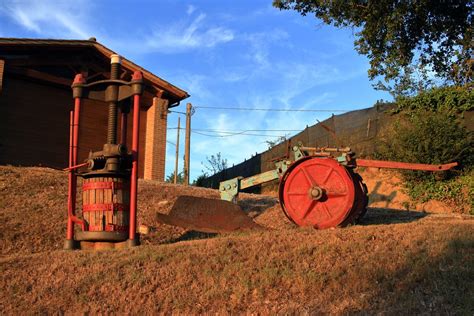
76	166
75	140
403	165
134	176
75	153
70	229
71	124
123	128
326	149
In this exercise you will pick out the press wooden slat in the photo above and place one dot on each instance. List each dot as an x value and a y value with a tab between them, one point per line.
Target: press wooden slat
105	215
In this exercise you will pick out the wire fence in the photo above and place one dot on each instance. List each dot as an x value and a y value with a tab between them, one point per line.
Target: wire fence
357	129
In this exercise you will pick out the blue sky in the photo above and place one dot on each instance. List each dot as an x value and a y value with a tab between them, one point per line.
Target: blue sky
243	54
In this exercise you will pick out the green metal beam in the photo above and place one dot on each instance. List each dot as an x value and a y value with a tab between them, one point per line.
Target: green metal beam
259	179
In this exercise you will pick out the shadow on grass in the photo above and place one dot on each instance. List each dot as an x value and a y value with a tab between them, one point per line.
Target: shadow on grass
439	285
375	196
256	206
192	235
378	216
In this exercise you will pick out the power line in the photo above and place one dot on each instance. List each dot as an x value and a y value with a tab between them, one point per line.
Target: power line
235	134
227	133
266	109
231	133
247	130
240	130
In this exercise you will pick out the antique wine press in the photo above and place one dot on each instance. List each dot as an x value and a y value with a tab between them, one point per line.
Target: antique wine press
109	184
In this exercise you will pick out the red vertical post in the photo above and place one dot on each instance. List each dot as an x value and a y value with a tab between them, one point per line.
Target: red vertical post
123	128
134	177
70	228
73	142
77	111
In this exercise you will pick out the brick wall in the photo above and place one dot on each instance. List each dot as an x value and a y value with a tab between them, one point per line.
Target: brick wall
155	144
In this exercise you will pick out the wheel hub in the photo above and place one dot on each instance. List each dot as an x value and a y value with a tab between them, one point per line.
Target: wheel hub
316	193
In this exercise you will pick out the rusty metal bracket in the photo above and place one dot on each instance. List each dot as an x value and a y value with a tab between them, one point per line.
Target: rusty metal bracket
298	152
102	90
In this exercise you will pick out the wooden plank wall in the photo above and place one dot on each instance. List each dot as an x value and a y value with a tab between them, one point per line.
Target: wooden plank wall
34	125
2	67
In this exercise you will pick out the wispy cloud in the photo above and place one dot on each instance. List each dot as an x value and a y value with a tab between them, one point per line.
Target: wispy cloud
181	37
261	43
190	9
50	18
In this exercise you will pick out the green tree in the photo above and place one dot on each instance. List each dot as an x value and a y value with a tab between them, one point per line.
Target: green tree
273	143
179	178
411	44
214	164
200	181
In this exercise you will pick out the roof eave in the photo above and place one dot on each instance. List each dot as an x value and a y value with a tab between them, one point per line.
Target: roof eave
176	93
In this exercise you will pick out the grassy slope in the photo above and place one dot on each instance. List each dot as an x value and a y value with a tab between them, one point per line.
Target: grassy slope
395	263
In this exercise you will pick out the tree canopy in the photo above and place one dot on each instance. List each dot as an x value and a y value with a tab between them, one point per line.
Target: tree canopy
179	177
411	44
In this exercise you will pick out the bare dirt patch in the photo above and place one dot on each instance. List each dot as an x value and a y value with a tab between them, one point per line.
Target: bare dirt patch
386	191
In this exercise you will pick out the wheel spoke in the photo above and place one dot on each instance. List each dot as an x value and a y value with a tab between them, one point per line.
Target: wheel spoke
308	209
325	209
335	193
326	177
308	177
297	193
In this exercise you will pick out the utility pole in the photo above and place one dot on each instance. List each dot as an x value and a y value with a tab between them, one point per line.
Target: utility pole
177	154
187	145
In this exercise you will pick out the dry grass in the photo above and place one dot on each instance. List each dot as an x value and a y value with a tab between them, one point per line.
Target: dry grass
396	262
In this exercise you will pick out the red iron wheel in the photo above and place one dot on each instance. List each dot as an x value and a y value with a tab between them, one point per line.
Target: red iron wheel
361	201
317	192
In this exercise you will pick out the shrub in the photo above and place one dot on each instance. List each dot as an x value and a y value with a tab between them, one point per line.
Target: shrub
435	138
458	190
452	100
428	137
201	180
